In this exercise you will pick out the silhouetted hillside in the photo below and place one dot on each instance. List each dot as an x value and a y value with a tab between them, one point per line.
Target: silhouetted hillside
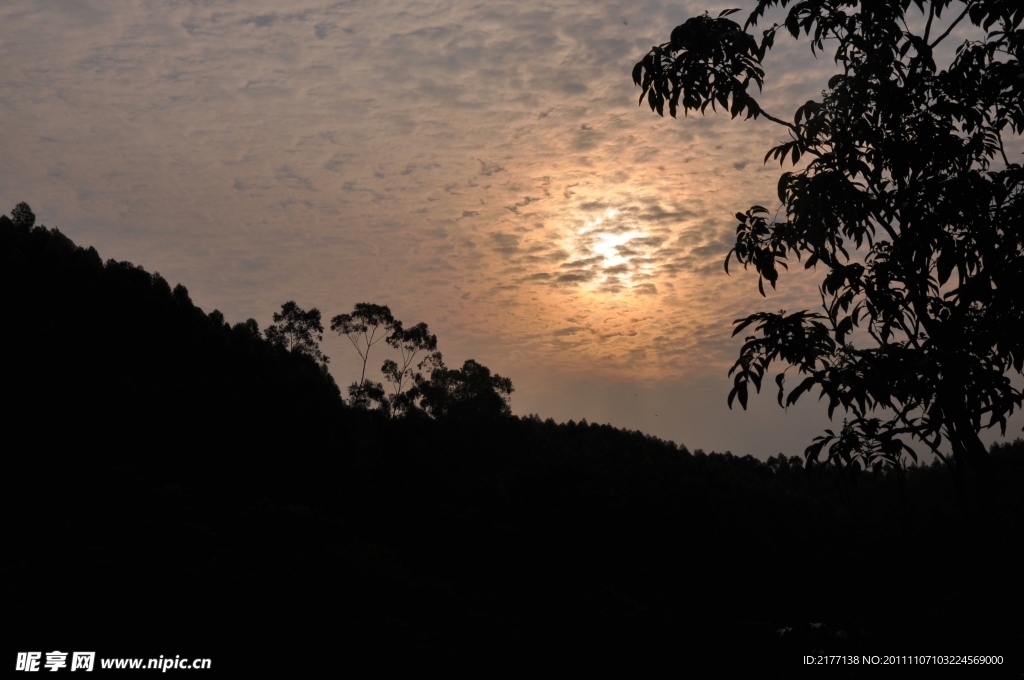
123	363
177	485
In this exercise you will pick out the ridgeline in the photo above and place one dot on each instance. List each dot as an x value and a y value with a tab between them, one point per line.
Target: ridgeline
175	484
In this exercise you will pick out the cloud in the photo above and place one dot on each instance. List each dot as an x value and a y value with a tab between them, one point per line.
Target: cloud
569	330
450	159
656	213
324	29
262	21
489	169
527	200
574	277
506	244
289	177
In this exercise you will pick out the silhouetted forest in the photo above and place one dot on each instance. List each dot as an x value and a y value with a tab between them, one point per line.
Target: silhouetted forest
176	484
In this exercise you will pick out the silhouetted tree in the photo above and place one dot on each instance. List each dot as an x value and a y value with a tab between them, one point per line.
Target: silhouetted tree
409	342
909	202
249	327
23	217
364	327
467	392
298	330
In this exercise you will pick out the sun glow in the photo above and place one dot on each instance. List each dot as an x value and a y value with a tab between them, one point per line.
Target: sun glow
605	244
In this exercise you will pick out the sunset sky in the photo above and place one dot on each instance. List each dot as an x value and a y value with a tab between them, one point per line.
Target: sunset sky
482	167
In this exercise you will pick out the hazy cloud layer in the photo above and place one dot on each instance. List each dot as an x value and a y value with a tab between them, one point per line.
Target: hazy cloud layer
484	168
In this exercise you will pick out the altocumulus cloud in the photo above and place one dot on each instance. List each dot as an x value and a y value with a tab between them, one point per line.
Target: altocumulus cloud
483	167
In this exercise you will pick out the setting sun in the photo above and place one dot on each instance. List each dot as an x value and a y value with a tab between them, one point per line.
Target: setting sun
615	250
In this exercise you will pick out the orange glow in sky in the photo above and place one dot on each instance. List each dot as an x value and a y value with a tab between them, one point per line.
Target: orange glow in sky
483	168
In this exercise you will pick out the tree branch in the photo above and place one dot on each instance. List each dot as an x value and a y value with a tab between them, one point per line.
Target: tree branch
774	119
1002	151
928	28
951	26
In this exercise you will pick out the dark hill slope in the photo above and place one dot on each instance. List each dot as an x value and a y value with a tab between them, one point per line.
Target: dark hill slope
107	358
174	485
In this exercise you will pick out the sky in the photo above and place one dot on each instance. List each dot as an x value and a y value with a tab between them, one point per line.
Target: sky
480	167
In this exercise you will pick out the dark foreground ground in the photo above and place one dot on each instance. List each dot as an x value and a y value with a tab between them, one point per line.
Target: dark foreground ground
472	559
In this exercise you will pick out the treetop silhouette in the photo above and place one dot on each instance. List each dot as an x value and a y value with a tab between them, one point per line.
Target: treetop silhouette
361	327
23	217
432	388
470	392
409	342
298	330
907	199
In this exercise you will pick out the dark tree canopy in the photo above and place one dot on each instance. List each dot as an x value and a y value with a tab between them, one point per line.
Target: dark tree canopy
298	330
908	199
364	327
23	217
409	342
118	352
470	392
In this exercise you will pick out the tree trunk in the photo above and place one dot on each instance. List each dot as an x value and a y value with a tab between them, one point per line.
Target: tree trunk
974	465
